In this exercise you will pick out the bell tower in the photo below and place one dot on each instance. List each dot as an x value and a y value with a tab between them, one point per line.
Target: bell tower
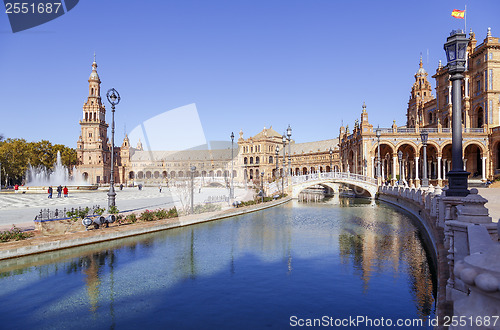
421	92
92	146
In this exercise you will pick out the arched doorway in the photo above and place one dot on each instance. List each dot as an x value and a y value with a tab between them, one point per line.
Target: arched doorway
472	161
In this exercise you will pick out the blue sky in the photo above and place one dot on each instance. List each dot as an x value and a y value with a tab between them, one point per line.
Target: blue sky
246	64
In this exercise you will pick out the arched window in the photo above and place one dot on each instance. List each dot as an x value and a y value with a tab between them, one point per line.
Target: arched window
245	160
430	117
251	160
257	160
480	117
86	116
131	175
92	91
270	159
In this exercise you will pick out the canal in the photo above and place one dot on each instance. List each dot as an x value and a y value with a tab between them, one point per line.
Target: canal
338	258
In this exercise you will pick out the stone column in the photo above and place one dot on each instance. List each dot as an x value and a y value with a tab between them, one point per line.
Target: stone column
394	162
465	164
484	169
429	169
373	167
416	168
439	168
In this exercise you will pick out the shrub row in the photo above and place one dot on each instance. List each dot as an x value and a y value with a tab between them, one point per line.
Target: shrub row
14	234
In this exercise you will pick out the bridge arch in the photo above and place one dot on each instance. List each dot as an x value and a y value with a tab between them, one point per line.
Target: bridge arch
362	185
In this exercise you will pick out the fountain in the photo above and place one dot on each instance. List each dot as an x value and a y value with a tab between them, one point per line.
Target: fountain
42	177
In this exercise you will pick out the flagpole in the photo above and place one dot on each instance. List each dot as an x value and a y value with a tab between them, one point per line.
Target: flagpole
465	19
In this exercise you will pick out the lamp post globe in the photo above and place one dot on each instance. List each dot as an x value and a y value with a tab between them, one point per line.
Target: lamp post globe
231	189
283	138
456	54
113	98
289	136
277	152
400	157
193	168
262	185
378	133
331	158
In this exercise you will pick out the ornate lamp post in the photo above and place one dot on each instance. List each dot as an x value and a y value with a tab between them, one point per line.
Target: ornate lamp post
289	136
400	157
378	133
283	137
424	136
231	190
331	158
456	47
276	154
262	185
113	98
193	168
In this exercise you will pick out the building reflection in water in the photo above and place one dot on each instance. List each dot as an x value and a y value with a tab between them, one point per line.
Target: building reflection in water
366	238
372	244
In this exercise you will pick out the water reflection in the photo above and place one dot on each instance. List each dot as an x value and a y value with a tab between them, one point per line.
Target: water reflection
361	252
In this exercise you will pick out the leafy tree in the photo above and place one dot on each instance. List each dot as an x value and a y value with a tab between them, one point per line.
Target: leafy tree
17	154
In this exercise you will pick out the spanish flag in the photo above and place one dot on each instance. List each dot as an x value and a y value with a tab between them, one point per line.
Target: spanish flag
458	13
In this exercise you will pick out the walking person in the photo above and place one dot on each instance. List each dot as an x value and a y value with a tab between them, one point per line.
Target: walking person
159	187
59	191
16	188
50	192
65	191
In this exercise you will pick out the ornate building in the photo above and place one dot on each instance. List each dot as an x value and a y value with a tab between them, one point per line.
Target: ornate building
252	156
266	152
480	119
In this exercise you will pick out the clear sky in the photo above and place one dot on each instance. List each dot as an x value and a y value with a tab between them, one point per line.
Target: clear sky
246	64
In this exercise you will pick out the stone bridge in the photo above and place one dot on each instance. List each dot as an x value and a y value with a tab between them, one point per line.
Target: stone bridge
362	184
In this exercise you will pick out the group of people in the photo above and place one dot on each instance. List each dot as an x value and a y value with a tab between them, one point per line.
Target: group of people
60	190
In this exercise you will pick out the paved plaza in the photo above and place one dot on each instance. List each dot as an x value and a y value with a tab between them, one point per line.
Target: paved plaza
21	209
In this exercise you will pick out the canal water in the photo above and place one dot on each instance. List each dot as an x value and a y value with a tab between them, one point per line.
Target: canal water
334	260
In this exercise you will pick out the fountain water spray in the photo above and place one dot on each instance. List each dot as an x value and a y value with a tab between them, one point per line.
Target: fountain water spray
40	176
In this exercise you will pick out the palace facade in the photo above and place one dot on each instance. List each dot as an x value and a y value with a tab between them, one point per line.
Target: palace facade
248	160
272	154
480	122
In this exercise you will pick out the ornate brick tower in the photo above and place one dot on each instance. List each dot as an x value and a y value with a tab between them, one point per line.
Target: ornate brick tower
92	146
421	92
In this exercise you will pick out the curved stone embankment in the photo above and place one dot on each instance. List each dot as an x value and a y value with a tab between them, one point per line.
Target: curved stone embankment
423	207
465	241
52	243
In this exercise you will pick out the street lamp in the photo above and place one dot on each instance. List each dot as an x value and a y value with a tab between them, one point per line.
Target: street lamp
193	168
331	158
276	154
455	48
424	136
289	136
113	98
378	133
400	157
262	185
283	137
231	190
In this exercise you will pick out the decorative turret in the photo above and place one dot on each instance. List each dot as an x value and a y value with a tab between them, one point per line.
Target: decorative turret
421	92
